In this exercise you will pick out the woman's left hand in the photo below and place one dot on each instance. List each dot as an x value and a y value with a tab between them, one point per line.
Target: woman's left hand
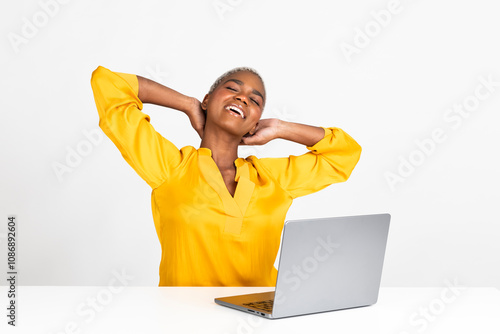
265	131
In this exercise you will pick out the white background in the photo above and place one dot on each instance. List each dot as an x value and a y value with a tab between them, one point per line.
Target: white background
79	227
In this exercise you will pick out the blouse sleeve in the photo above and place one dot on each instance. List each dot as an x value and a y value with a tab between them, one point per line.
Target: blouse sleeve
121	119
331	160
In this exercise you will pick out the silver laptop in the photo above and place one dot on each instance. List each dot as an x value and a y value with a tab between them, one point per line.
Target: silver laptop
325	264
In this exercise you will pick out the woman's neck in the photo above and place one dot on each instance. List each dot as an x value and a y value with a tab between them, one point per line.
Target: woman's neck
224	147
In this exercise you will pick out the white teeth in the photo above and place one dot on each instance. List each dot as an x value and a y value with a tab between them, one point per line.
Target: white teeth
235	109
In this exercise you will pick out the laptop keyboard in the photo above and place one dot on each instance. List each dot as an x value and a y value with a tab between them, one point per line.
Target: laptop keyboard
265	305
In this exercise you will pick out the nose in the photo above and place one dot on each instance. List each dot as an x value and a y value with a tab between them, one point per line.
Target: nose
242	98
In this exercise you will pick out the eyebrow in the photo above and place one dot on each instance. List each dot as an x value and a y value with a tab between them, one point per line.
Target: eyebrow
241	83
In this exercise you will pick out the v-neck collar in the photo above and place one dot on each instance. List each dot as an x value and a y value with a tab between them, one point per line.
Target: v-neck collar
234	206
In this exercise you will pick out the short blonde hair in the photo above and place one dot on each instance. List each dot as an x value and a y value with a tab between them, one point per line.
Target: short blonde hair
236	70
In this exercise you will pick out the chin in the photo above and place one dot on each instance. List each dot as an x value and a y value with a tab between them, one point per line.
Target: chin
232	129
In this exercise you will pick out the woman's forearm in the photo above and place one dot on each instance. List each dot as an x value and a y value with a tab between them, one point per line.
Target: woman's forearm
155	93
300	133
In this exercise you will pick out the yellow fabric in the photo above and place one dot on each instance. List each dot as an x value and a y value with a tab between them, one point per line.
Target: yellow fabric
209	238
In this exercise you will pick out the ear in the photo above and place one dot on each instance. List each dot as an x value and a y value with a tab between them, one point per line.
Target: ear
252	131
205	102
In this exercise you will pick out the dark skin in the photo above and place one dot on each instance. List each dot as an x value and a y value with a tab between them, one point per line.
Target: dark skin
221	131
224	130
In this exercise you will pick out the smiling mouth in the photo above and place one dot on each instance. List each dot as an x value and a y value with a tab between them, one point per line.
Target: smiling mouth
235	111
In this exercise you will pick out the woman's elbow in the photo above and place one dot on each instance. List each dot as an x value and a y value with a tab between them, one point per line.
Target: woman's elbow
351	162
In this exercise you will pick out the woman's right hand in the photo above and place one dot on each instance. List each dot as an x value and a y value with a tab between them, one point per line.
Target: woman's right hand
197	117
156	93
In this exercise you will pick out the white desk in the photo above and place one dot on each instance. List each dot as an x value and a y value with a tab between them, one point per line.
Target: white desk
51	310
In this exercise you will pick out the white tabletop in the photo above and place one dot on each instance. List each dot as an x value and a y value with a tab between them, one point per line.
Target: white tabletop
108	310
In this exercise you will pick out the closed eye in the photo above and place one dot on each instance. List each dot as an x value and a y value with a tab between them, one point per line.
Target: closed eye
234	90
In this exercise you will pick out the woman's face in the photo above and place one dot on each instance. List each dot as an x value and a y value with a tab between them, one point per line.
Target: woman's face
236	104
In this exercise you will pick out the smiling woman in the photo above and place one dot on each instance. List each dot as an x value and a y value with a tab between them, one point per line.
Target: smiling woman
218	216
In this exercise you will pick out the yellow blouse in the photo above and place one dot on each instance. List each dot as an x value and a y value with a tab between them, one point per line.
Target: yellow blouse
207	236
